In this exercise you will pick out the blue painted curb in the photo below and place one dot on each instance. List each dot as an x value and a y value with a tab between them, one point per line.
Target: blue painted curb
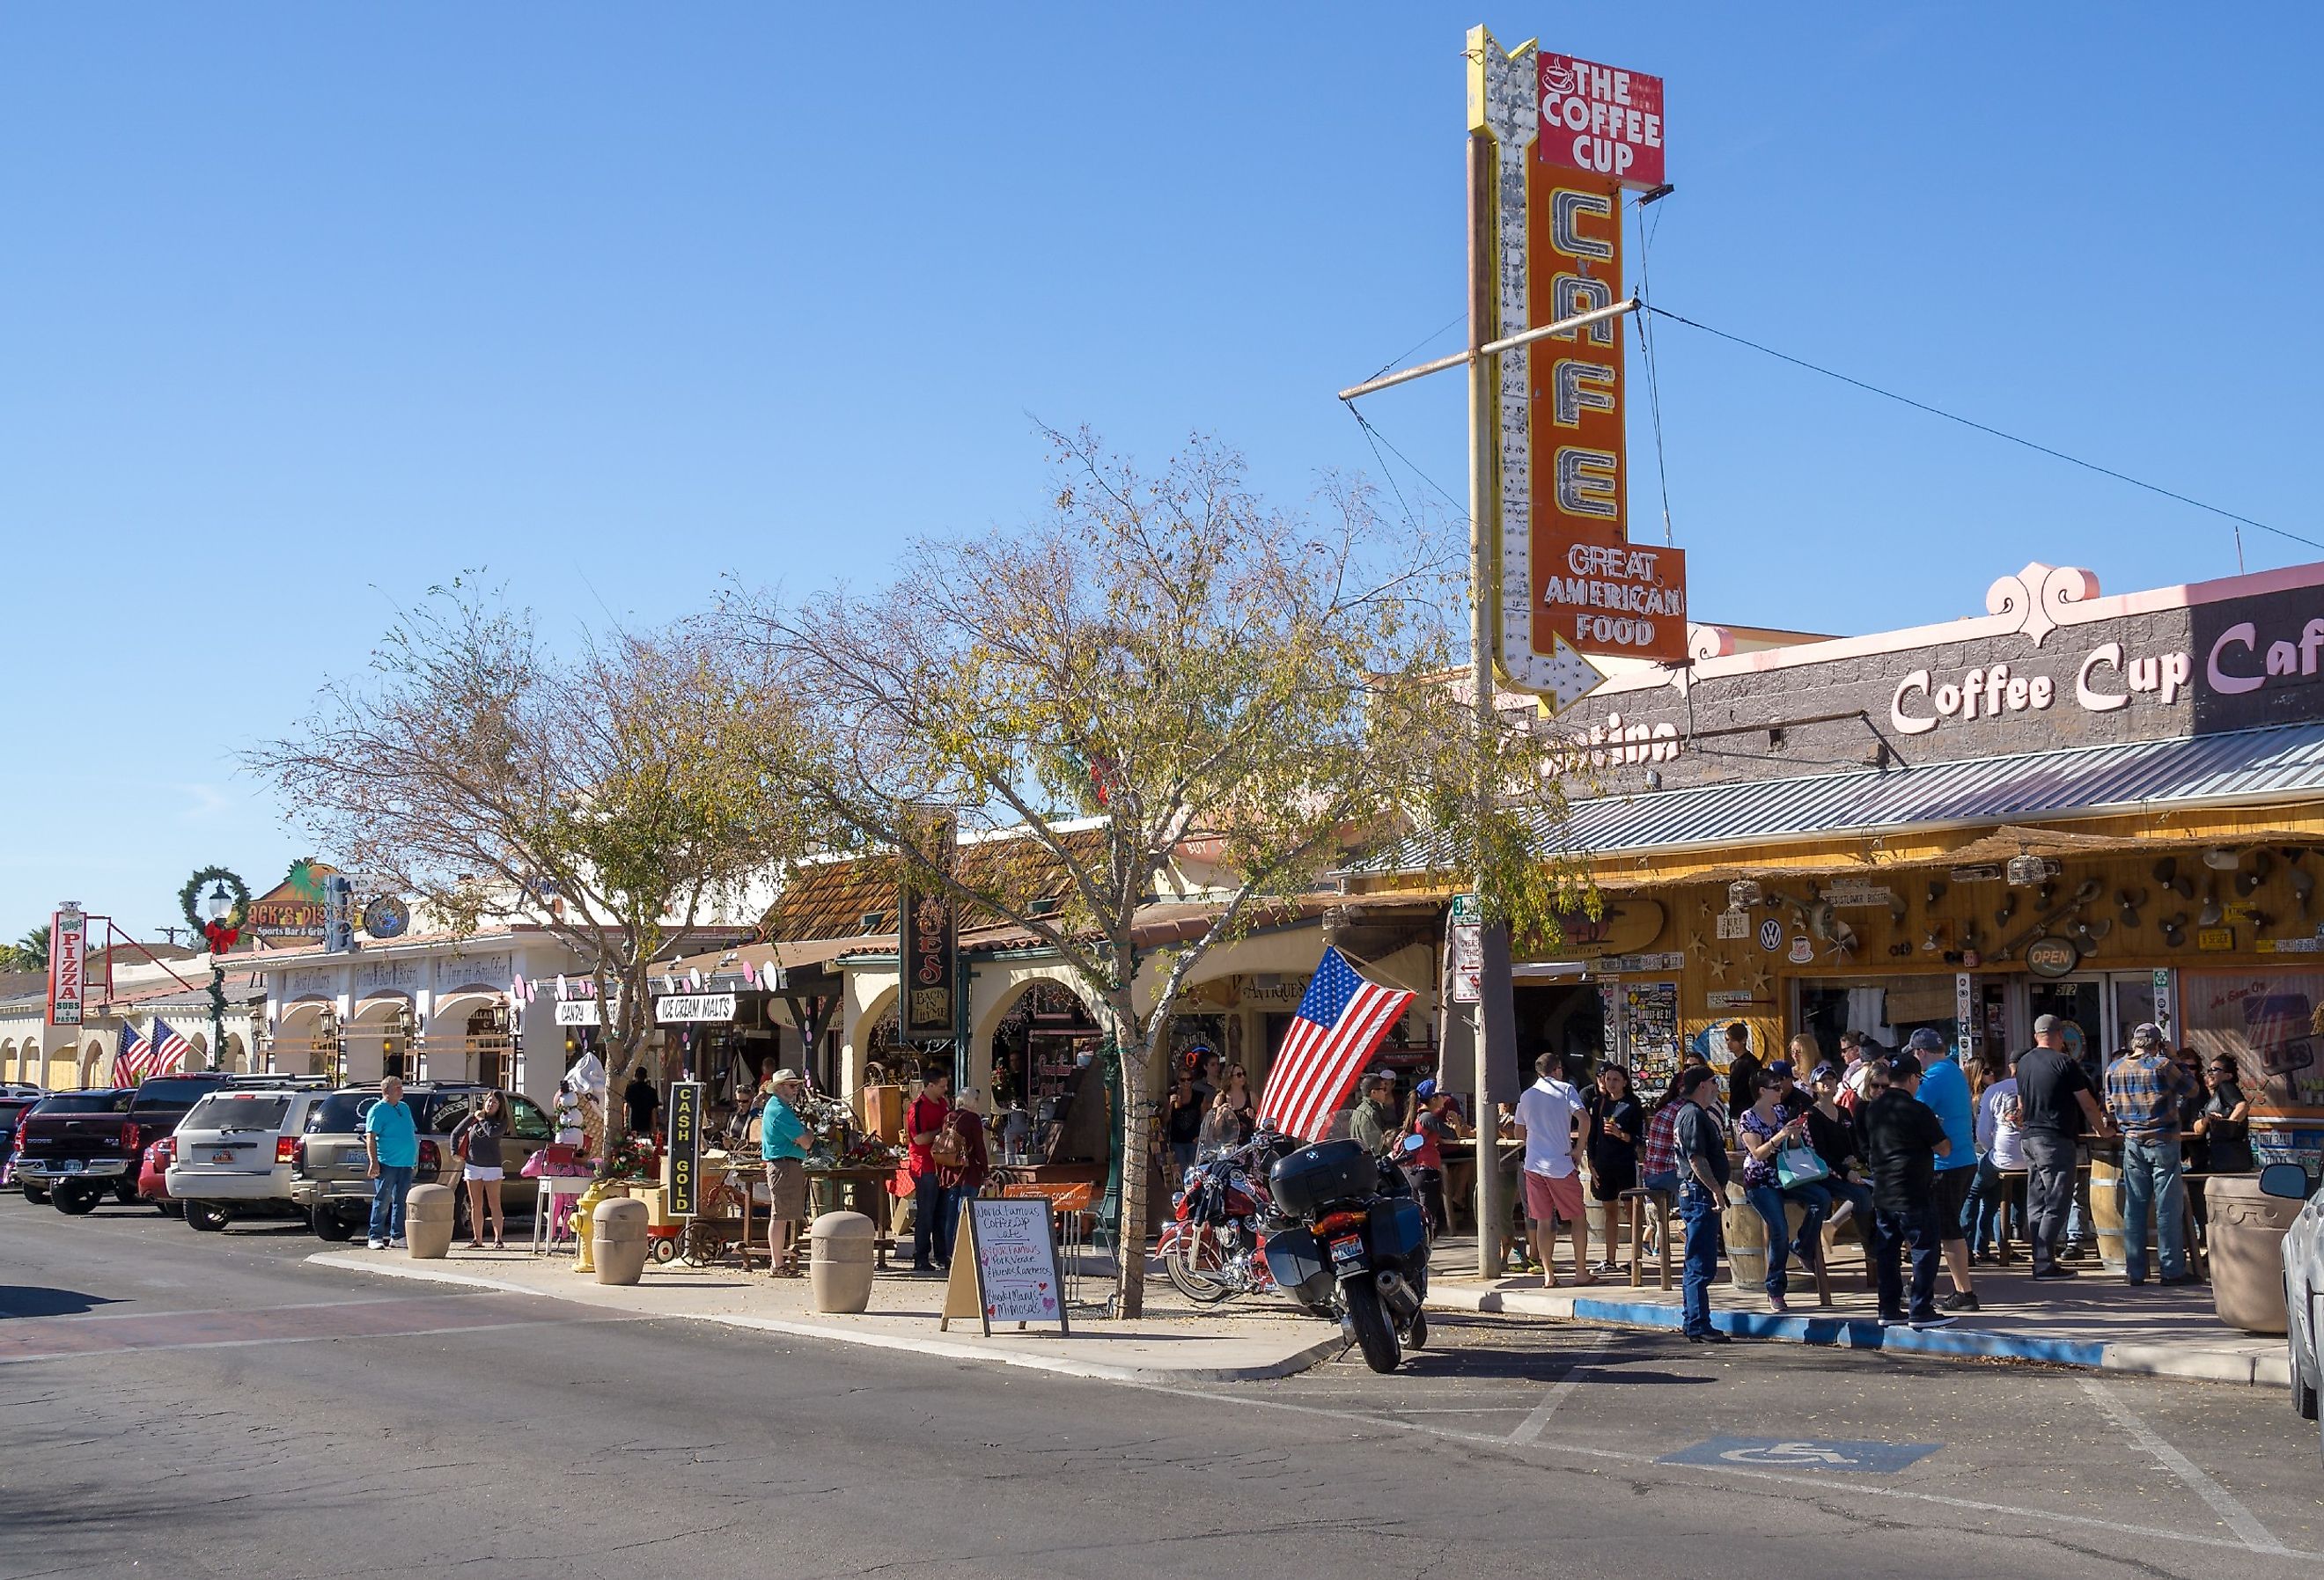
1855	1333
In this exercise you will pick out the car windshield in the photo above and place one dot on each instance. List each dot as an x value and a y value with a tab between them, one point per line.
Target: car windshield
238	1111
86	1102
166	1093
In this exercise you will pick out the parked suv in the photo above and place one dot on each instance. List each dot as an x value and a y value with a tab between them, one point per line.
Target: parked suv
14	1106
235	1149
329	1177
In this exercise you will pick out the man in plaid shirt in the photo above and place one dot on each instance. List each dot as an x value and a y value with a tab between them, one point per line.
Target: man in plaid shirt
2144	1090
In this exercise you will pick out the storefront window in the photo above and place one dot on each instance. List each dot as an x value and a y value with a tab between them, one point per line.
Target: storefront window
1888	1009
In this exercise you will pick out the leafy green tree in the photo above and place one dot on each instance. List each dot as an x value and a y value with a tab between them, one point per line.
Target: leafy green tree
28	953
1157	662
614	797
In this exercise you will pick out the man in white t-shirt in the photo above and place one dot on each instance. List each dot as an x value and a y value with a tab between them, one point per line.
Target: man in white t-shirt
1550	1114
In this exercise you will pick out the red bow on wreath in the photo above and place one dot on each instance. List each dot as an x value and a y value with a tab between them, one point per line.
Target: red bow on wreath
221	937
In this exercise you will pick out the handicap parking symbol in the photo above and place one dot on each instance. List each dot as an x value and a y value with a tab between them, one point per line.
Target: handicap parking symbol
1803	1454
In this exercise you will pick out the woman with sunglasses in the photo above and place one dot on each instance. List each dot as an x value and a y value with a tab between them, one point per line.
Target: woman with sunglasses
477	1142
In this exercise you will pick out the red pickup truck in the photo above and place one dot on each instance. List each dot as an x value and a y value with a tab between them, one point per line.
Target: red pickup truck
75	1147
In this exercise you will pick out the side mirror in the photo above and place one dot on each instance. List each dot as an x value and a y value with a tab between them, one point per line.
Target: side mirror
2285	1181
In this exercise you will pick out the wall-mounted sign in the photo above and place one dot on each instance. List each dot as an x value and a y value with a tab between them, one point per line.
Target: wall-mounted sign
1464	950
2163	1007
2053	956
1734	924
680	1008
387	917
579	1012
2214	939
68	962
1624	926
296	908
1771	935
929	941
1803	949
1965	1007
1860	896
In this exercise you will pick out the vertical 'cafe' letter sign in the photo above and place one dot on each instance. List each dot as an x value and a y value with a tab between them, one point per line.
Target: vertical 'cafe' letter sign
928	940
1570	136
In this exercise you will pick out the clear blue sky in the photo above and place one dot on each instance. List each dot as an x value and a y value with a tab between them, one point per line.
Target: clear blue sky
302	308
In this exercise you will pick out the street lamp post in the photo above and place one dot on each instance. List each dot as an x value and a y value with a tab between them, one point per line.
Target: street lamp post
217	907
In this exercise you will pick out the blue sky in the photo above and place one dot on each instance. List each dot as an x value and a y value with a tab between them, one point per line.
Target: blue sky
304	307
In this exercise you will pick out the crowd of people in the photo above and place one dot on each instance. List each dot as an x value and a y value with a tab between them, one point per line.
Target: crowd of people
1940	1168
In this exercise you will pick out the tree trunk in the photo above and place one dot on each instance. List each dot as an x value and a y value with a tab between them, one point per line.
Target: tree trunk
1132	1053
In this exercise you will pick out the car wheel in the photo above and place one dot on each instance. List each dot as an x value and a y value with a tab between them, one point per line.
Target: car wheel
75	1199
36	1195
208	1217
330	1225
125	1193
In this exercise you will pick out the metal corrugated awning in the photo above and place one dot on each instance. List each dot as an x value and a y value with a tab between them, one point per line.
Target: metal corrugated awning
2242	766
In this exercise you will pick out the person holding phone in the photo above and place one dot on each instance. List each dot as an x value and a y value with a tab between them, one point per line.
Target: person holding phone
1768	1128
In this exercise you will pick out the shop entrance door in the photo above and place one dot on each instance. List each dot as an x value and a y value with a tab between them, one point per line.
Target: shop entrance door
2081	1003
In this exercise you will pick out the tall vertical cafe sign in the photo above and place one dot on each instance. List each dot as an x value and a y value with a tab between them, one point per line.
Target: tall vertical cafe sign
1566	138
928	939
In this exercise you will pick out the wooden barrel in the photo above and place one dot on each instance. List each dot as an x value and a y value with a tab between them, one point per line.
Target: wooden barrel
2105	1211
1747	1245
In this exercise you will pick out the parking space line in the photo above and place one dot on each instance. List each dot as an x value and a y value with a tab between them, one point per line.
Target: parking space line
1529	1430
2223	1503
2038	1518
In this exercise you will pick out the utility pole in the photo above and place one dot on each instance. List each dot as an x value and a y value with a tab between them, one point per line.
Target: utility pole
1493	984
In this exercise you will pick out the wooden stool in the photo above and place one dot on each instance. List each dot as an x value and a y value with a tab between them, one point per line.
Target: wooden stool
1639	1202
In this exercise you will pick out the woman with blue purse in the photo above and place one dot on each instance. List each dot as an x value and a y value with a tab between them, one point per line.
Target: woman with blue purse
1781	1168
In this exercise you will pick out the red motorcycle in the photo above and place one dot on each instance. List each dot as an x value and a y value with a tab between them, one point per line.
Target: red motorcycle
1214	1248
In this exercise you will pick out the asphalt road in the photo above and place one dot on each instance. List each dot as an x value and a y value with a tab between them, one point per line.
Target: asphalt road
210	1405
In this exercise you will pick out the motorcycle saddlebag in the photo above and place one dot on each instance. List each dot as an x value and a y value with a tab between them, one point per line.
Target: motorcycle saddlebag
1315	1177
1399	1231
1295	1261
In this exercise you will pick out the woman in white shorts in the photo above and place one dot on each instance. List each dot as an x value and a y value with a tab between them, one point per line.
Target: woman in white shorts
477	1142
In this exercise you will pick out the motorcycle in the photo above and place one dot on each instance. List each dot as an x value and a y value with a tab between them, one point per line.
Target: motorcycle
1213	1247
1347	1240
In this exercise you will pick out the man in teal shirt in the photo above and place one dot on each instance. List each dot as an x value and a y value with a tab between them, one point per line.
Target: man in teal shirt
782	1147
1944	1091
392	1143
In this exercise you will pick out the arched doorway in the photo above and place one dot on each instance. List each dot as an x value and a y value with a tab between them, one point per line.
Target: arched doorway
379	1041
1037	1043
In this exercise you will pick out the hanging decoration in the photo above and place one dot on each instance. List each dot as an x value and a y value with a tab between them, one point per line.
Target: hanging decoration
220	932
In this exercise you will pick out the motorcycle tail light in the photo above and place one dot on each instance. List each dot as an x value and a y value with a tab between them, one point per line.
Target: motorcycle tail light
1333	1223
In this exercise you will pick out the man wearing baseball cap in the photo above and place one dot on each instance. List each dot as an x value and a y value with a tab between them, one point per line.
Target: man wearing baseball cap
2056	1105
2143	1090
1944	1091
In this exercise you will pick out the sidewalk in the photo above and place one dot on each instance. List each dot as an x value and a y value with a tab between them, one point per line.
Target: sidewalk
2093	1321
1175	1342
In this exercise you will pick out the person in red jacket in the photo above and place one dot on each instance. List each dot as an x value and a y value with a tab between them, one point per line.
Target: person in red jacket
931	1229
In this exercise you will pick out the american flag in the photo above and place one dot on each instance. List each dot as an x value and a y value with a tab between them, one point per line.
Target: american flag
1332	1033
167	1051
129	1059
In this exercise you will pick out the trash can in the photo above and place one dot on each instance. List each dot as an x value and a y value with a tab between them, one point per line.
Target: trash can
618	1240
2247	1248
427	1219
839	1261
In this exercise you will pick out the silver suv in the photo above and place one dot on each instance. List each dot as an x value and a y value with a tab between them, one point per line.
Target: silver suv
330	1169
233	1153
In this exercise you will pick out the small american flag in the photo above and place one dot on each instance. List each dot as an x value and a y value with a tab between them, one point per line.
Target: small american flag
169	1050
1332	1033
129	1060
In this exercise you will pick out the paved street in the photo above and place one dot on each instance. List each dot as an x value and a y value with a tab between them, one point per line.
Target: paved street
211	1405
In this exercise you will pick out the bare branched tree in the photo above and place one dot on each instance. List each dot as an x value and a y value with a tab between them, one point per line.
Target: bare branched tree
1160	661
615	798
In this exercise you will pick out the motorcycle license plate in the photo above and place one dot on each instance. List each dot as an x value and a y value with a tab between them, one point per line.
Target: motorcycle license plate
1347	1248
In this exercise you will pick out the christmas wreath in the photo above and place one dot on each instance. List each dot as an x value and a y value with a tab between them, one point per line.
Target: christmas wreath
222	933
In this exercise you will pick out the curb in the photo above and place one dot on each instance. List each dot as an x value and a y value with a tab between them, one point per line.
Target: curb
933	1345
1859	1332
